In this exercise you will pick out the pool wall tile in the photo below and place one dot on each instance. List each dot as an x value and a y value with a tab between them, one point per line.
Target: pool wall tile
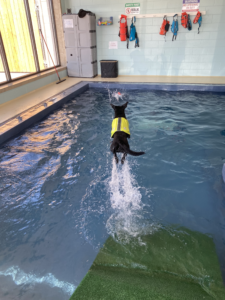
160	87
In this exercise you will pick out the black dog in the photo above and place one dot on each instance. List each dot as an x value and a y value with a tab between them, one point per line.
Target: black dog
120	134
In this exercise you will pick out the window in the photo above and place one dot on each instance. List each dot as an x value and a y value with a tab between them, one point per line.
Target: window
2	72
28	35
41	21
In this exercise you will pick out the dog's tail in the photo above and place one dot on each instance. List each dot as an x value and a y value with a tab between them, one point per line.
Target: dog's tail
128	151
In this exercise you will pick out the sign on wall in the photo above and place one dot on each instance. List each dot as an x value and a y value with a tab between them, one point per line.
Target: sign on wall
113	45
190	5
132	8
68	23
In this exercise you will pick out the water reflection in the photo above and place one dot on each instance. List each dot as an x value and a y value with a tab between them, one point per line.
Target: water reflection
59	201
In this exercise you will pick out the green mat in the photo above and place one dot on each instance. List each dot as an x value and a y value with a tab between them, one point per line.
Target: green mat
171	264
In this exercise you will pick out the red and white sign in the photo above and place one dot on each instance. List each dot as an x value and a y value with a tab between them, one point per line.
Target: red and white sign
132	8
190	5
127	10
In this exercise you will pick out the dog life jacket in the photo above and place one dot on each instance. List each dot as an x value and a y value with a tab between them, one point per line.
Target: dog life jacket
198	19
123	33
184	19
133	33
174	27
120	124
164	27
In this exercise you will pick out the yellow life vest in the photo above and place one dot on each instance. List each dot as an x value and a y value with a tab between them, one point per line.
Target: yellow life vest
120	124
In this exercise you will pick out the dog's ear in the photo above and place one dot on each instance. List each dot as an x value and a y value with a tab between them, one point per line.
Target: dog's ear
125	105
113	106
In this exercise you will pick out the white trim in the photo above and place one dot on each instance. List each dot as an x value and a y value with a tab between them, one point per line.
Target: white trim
193	13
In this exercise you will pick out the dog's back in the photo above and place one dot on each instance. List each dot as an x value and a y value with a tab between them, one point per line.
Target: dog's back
120	142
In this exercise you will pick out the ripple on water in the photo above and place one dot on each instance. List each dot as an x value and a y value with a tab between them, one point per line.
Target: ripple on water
61	196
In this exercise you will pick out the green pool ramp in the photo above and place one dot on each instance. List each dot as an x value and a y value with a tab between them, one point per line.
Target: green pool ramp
171	264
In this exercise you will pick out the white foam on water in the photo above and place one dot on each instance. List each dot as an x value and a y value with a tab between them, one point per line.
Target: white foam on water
118	98
20	277
126	222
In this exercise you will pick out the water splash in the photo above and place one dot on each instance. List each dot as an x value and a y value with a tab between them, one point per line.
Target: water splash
127	220
20	277
117	97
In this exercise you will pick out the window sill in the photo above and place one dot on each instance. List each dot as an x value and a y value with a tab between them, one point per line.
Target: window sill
9	86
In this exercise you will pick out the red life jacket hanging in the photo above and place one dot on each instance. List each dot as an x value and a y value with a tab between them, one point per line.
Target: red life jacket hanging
197	17
123	33
164	27
184	19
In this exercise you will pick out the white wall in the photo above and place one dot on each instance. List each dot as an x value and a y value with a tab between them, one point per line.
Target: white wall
63	6
191	54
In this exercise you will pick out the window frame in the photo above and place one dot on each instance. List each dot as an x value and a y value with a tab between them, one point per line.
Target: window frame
33	44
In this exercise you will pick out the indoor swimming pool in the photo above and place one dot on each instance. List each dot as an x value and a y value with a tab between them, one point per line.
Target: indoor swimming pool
158	219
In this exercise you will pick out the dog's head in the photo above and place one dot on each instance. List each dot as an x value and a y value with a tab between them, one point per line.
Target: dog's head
119	110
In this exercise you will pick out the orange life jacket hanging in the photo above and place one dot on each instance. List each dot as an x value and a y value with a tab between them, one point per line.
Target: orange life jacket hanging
198	19
164	27
184	19
123	33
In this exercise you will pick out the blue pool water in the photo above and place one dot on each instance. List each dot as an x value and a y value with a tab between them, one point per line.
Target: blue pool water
60	196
